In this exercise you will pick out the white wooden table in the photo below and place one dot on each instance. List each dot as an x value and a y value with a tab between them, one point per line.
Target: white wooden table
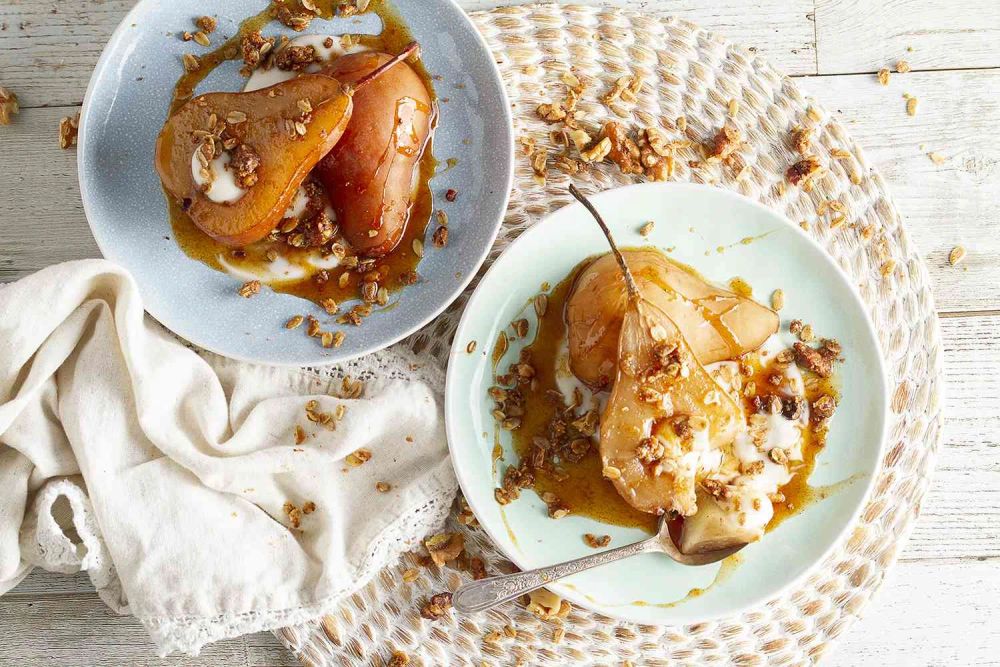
940	604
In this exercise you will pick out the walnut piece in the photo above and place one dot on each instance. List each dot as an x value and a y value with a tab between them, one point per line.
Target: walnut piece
69	127
436	607
595	542
804	171
8	106
445	547
624	152
813	360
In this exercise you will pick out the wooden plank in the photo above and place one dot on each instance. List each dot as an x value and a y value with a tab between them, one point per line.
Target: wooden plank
48	51
43	220
864	36
928	615
942	204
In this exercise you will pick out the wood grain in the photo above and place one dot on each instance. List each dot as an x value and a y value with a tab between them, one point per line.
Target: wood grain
48	49
75	630
942	204
928	615
43	220
866	35
938	606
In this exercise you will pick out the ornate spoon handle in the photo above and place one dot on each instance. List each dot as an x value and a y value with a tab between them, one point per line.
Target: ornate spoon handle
488	593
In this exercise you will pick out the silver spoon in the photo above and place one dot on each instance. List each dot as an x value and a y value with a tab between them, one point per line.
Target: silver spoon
493	591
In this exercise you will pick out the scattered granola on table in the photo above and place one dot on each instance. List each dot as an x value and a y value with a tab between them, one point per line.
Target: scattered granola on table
436	607
8	106
69	127
445	547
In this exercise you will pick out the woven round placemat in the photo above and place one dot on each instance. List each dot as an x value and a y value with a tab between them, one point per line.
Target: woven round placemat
687	72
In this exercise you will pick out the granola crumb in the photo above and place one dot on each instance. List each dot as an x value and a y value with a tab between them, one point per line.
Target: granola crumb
300	435
253	48
544	604
558	634
410	575
440	238
190	62
358	458
647	229
8	106
383	487
69	127
478	568
813	360
937	158
595	542
294	322
206	23
804	171
956	255
201	39
244	163
249	289
471	347
802	139
445	547
437	606
903	67
293	513
451	195
309	507
911	106
883	76
398	659
778	299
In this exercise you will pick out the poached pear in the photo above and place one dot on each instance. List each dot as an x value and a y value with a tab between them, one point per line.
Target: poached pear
717	324
667	420
286	129
370	175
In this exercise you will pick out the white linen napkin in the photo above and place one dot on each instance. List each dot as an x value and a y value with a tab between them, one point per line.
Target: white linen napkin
178	465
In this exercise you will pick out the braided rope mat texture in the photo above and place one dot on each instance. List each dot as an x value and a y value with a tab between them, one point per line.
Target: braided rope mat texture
687	71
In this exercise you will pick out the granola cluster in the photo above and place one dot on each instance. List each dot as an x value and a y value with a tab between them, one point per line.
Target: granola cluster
8	106
69	127
569	435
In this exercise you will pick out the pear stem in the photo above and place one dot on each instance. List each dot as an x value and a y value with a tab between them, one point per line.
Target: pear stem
411	48
630	286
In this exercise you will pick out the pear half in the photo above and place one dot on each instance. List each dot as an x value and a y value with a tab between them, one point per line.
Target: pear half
667	420
289	127
717	324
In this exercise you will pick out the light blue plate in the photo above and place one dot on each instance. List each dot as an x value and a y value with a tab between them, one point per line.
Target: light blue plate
695	221
126	105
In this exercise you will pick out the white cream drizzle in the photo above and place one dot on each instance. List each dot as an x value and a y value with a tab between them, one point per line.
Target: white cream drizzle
265	78
223	188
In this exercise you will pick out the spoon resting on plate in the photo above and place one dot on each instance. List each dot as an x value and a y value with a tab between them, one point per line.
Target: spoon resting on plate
488	593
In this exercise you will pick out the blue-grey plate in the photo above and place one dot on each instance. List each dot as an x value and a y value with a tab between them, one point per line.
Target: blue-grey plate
126	105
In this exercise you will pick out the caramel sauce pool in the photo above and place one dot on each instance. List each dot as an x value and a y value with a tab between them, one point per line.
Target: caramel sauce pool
585	492
402	261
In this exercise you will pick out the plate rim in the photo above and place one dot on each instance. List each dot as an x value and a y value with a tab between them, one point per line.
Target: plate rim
331	357
571	593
